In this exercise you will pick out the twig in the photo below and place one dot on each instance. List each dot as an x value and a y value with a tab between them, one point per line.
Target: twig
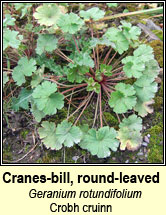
107	55
101	120
83	108
112	58
96	111
76	43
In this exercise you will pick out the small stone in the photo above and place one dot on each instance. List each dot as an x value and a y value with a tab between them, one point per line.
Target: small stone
140	153
136	161
144	144
114	158
75	158
146	139
148	135
127	161
141	158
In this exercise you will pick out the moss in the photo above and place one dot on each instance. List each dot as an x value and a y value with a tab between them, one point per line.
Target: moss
51	156
129	81
160	92
131	7
158	103
158	51
24	134
155	147
7	154
159	99
111	119
158	33
60	116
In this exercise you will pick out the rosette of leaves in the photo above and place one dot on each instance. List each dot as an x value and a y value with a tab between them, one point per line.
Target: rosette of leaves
48	14
106	69
94	13
123	98
45	98
70	23
100	142
93	85
129	133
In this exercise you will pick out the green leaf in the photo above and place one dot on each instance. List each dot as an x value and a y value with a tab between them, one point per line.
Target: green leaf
106	69
93	85
67	134
130	32
48	136
44	90
70	23
94	13
101	41
144	53
133	67
151	69
131	140
75	74
24	8
46	42
50	64
11	38
24	68
47	14
117	37
9	20
112	4
83	59
145	88
5	78
22	101
123	98
37	77
143	107
100	142
46	99
132	122
129	133
36	112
